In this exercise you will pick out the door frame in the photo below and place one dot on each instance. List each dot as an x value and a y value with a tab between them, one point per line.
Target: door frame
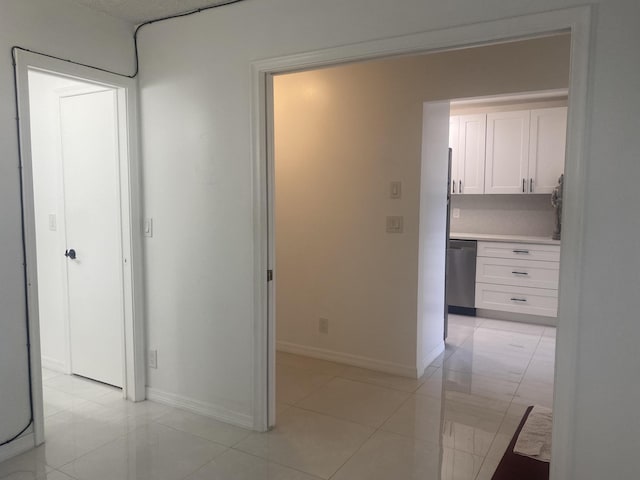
131	220
575	20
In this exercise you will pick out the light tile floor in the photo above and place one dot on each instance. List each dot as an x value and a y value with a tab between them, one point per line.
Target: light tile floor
334	421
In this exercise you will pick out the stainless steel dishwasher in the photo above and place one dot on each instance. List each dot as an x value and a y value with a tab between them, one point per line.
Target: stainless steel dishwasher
461	276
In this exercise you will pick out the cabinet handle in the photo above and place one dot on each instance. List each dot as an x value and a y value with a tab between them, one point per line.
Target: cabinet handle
460	187
520	273
454	186
523	184
521	251
516	299
531	185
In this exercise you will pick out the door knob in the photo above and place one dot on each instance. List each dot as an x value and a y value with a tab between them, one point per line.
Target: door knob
71	253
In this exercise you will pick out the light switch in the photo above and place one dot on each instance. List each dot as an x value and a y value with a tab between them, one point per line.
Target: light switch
394	224
147	227
395	190
53	222
456	213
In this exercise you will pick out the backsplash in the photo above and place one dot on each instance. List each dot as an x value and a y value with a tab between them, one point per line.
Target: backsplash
503	214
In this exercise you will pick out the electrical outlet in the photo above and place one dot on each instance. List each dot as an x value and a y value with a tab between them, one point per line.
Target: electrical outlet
323	325
456	213
395	224
153	358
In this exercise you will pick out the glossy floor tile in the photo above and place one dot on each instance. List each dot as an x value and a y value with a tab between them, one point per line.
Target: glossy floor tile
307	441
334	421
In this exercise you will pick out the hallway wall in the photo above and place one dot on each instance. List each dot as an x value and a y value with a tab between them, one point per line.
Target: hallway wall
69	30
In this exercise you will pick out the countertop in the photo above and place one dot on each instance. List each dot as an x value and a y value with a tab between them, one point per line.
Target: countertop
489	237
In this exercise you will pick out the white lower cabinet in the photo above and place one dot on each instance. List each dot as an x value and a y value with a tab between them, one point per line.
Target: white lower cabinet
519	278
506	298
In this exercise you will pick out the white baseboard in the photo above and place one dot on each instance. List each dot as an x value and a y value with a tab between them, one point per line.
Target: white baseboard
349	359
201	408
18	446
53	364
431	356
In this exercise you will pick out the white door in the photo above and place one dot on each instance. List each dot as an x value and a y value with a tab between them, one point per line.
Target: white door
546	148
507	152
92	224
473	129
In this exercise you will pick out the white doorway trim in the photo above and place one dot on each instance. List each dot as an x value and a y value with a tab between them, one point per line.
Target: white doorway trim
577	21
133	329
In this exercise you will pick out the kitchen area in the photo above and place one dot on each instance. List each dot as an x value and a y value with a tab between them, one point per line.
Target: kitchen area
505	195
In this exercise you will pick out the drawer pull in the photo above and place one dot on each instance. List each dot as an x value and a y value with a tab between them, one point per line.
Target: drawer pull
515	299
521	251
520	273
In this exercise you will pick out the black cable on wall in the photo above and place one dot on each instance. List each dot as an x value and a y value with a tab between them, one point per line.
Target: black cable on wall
14	49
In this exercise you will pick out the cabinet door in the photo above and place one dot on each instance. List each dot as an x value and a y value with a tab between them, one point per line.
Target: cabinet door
547	148
472	135
454	145
507	152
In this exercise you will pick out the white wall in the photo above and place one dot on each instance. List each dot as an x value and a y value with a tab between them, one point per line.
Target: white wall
71	31
196	94
342	134
47	184
432	244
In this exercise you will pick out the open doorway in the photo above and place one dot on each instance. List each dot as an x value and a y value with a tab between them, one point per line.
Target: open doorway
80	188
329	212
75	158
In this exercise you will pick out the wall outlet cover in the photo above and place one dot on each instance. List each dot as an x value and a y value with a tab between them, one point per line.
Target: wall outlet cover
395	224
456	213
323	325
153	358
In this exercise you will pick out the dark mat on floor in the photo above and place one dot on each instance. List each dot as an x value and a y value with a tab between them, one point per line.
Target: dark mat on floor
516	467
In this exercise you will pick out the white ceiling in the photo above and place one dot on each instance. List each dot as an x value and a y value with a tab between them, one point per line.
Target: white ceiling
138	11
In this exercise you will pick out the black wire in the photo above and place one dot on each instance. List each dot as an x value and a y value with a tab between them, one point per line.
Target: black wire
135	39
24	258
23	220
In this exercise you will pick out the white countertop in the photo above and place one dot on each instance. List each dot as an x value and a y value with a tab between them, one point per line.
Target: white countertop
489	237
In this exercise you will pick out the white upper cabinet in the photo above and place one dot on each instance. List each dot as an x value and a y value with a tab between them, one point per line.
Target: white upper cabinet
467	135
507	162
517	151
454	145
547	148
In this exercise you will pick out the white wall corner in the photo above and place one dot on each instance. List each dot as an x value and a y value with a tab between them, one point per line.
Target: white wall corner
210	410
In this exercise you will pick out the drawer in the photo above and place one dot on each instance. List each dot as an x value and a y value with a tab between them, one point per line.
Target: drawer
532	301
516	272
523	251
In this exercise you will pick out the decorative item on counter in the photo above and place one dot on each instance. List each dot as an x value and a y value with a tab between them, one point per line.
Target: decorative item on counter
556	201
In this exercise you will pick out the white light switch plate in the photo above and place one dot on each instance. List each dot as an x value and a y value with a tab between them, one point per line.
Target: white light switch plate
395	190
53	222
147	227
456	213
